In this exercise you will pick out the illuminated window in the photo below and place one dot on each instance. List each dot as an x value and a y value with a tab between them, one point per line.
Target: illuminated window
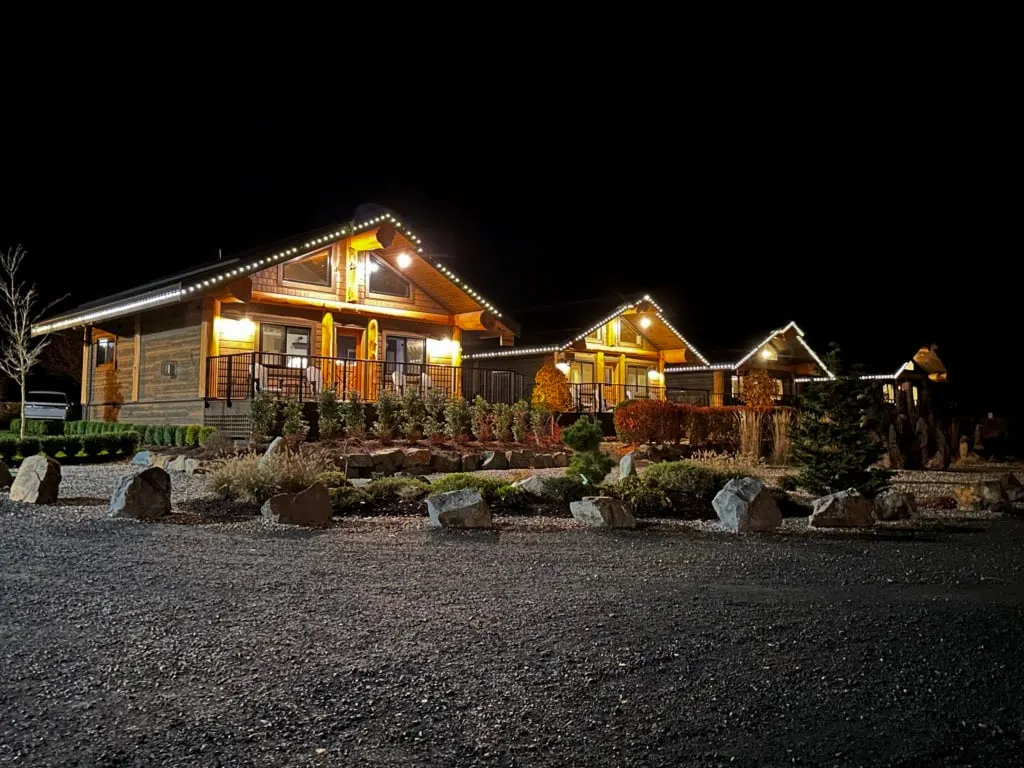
106	350
284	345
581	372
737	386
597	335
627	333
385	281
315	270
888	393
778	388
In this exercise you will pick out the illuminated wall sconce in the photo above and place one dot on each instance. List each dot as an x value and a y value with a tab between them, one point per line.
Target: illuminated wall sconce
769	353
235	330
563	367
441	347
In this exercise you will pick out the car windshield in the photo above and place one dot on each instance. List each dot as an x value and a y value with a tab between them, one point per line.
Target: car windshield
50	398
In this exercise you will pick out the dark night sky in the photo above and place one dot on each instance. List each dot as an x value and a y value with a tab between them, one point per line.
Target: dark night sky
873	216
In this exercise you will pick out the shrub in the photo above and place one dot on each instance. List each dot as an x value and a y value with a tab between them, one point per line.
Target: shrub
584	435
386	490
147	435
51	445
192	435
750	424
715	425
38	427
92	445
389	415
482	420
126	443
781	423
72	445
245	478
458	419
262	416
759	390
179	436
503	422
328	415
511	495
644	497
434	403
729	463
568	487
347	500
333	478
167	435
788	483
205	433
28	446
684	479
415	413
458	481
542	422
520	421
590	466
294	427
8	449
650	421
551	389
353	415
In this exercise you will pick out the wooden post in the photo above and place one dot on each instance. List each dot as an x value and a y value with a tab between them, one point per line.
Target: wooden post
661	375
717	388
327	341
457	359
207	340
86	369
136	357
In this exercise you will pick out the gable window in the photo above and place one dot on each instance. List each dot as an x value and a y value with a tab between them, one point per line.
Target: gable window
284	345
106	350
628	334
315	270
596	335
384	281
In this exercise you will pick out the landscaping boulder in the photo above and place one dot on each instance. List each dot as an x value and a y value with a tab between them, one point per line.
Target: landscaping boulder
519	459
194	467
470	462
276	445
38	481
142	459
417	461
144	495
533	485
543	461
177	464
161	460
495	460
311	507
446	462
358	460
991	496
560	459
388	461
5	476
627	466
465	508
602	512
744	505
895	505
846	509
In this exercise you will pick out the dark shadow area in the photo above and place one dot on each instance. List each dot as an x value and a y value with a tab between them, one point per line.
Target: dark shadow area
81	501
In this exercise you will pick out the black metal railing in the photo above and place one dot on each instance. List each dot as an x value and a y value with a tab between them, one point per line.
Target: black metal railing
590	397
240	376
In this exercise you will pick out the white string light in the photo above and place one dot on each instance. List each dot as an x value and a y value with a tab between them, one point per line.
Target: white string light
167	297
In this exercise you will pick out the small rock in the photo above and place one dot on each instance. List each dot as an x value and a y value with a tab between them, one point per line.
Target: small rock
471	462
627	466
543	461
845	509
311	507
38	481
160	460
519	459
5	476
602	512
142	459
895	505
560	459
276	445
145	495
745	505
465	508
495	460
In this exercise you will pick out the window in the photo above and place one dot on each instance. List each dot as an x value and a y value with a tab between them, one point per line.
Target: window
105	352
346	347
315	270
627	333
737	386
609	374
385	281
597	335
636	375
888	393
285	345
581	372
400	350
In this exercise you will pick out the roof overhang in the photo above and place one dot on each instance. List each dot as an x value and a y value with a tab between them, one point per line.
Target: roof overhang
151	300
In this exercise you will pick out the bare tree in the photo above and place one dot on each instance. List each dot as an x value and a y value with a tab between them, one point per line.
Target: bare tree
20	308
62	355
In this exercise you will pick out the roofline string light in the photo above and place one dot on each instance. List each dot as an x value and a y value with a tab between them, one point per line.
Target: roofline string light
561	348
255	265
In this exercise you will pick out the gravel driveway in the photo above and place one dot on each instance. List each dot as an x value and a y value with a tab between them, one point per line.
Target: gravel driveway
382	644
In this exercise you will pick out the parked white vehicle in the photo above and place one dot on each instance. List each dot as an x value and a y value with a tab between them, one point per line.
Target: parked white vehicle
47	405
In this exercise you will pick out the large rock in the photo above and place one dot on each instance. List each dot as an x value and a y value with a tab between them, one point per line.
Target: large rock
560	459
895	505
744	505
178	463
144	495
161	460
989	495
534	485
543	461
6	479
446	462
38	481
495	460
388	461
417	460
519	459
470	462
142	459
194	467
357	460
459	509
627	466
846	509
602	512
311	507
276	446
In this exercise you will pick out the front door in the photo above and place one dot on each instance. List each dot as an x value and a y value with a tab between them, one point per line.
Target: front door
348	373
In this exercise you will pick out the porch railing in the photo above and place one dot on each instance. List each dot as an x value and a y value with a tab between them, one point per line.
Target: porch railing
240	376
598	398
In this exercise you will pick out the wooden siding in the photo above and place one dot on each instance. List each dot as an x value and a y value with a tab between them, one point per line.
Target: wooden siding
420	300
696	380
168	412
111	384
271	280
170	335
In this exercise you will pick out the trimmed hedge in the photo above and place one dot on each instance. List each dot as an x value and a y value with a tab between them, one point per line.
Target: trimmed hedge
149	434
70	447
662	421
38	427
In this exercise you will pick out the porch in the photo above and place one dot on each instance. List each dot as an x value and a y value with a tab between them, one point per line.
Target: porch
588	397
240	376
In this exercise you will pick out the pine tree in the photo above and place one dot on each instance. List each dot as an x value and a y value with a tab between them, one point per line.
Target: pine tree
832	444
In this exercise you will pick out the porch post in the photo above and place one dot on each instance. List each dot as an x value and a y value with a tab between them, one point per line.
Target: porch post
717	388
86	370
599	381
663	395
207	340
136	355
457	360
327	341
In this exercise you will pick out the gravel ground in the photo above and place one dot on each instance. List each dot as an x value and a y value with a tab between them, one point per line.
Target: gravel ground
378	643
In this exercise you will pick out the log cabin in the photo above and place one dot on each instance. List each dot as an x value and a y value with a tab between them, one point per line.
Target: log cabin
784	354
356	308
622	355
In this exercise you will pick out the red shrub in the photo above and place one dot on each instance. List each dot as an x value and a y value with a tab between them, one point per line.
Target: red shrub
650	421
713	425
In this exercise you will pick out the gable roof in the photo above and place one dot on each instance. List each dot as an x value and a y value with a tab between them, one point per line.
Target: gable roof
576	337
926	359
791	326
194	282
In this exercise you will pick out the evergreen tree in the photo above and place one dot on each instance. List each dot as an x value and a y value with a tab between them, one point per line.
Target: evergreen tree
832	443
